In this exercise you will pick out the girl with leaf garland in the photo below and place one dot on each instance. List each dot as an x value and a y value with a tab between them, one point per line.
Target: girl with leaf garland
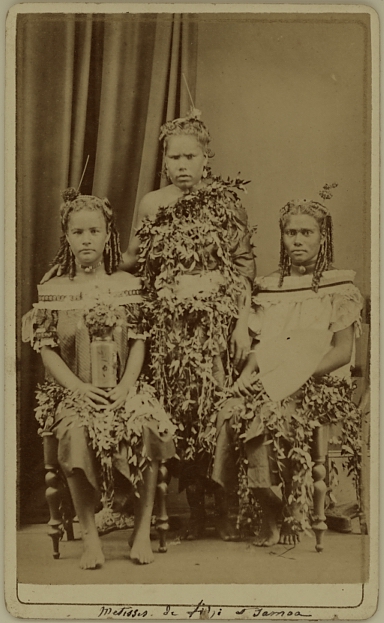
113	423
297	377
193	251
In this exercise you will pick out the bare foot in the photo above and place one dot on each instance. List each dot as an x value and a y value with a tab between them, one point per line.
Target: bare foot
269	531
93	557
289	534
226	530
195	529
268	536
141	551
131	539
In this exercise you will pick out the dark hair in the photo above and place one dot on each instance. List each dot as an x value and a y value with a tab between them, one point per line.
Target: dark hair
74	202
190	125
324	220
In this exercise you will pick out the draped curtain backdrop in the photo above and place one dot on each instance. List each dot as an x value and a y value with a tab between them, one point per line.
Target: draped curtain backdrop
86	85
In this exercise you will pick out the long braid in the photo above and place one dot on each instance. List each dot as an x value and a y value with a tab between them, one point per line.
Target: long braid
325	255
72	265
62	257
329	234
112	255
284	263
320	266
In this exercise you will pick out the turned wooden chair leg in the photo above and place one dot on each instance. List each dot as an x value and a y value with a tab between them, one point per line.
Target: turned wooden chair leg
364	484
320	488
53	491
162	525
66	508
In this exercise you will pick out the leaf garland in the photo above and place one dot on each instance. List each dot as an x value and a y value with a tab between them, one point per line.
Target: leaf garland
191	234
190	336
102	315
327	400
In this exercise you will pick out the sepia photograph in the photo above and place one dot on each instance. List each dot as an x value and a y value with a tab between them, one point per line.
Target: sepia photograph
192	311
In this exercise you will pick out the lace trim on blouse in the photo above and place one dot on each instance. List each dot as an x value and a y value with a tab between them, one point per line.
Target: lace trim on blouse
39	325
74	296
347	302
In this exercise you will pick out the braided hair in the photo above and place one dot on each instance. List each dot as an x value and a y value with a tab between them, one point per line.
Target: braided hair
74	202
190	124
323	218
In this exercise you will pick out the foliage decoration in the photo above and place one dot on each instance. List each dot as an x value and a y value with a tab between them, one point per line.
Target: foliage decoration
107	429
320	401
102	315
70	194
190	332
326	192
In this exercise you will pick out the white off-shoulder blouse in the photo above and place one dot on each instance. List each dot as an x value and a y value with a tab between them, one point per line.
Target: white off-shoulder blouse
294	326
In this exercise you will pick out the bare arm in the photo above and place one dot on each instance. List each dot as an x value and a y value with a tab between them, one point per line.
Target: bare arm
340	353
130	255
66	378
248	376
240	340
146	207
131	373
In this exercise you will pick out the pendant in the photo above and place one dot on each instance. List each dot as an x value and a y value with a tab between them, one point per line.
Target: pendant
104	362
302	270
90	268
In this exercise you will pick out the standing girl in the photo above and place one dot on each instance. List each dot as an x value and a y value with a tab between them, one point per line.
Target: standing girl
194	254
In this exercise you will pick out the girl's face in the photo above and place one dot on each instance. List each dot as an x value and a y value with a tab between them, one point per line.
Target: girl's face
87	236
184	160
302	238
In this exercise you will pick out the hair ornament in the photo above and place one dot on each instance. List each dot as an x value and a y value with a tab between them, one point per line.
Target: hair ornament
190	122
70	194
193	113
325	193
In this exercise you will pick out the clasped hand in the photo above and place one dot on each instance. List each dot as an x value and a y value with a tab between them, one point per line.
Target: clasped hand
239	345
100	399
244	384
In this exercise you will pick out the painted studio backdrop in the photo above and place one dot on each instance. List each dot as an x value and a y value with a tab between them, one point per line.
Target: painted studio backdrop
286	99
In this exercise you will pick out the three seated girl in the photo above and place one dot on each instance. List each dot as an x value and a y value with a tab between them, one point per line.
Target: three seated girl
305	318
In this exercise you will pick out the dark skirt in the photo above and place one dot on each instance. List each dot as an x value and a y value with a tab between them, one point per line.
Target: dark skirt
262	469
75	450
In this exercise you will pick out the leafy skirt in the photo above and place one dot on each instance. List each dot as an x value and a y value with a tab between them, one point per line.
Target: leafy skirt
265	444
190	366
97	442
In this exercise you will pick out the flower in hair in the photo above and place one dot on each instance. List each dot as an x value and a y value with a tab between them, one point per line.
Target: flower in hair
192	119
193	113
325	193
70	194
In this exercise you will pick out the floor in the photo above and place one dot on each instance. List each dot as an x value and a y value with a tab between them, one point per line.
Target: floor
210	560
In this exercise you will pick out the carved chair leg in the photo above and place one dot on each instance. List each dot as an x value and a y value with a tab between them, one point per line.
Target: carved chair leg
53	491
364	484
162	525
320	488
66	509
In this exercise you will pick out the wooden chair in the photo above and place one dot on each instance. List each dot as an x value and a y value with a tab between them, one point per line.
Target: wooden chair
60	503
320	454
